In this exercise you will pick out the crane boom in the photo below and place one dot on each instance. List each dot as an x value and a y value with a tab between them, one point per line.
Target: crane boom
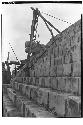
38	12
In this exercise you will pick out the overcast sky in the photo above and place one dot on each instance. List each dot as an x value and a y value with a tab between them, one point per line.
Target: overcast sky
17	19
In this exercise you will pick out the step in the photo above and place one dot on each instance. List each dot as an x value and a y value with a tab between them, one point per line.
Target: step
73	106
28	108
54	100
66	83
9	110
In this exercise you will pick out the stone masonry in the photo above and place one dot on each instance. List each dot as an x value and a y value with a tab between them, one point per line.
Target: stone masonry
55	78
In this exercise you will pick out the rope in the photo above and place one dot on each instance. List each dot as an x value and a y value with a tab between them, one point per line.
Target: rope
13	52
56	18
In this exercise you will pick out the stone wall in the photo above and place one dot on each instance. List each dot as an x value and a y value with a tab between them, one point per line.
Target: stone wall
60	67
55	78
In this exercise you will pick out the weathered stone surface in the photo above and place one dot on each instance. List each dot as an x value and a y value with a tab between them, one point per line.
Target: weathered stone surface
56	52
59	61
52	60
68	84
20	87
60	51
76	54
11	111
53	70
19	84
11	94
43	81
34	93
72	85
60	70
19	79
16	85
73	106
33	110
47	82
5	86
43	96
27	80
76	69
75	85
24	89
27	91
67	69
57	103
61	83
37	81
67	57
53	82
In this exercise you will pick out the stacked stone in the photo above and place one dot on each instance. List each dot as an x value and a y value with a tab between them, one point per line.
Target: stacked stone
60	68
55	79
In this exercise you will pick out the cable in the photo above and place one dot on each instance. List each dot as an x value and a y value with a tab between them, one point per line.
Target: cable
56	17
13	52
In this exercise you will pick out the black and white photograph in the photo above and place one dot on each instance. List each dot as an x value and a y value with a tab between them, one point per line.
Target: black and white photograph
41	55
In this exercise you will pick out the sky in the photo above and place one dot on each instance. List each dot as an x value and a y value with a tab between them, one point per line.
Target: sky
17	20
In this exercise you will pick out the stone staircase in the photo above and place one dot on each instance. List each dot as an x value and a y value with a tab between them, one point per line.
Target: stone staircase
26	100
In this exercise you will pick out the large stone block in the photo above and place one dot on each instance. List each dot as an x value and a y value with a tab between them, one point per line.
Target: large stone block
11	111
67	69
37	81
52	60
43	97
5	86
57	103
60	70
56	52
59	61
42	81
67	57
33	83
68	84
26	108
19	84
73	106
24	80
19	79
42	69
28	91
47	82
20	87
47	72
53	83
61	83
24	89
11	94
53	70
20	104
75	85
32	110
34	93
60	51
76	53
31	80
76	69
27	80
16	85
